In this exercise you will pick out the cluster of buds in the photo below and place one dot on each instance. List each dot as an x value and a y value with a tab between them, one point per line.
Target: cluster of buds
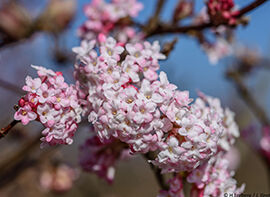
110	18
52	102
222	11
120	91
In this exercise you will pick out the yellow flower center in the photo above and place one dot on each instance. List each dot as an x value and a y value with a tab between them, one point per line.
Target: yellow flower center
137	54
109	51
109	70
129	100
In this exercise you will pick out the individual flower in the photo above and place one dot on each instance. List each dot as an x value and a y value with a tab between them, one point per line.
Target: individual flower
32	85
110	51
85	49
25	114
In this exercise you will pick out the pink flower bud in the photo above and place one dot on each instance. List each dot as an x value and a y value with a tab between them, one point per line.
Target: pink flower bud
21	102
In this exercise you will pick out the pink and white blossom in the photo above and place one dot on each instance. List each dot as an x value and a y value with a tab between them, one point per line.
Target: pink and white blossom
52	102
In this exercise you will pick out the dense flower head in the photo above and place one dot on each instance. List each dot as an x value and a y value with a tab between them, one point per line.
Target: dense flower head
221	11
52	102
199	132
110	18
214	179
124	98
101	157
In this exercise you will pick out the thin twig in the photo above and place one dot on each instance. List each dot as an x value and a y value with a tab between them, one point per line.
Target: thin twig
157	171
251	7
154	20
159	7
163	28
4	131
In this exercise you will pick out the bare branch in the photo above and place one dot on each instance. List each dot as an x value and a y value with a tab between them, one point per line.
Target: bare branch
4	131
162	28
251	7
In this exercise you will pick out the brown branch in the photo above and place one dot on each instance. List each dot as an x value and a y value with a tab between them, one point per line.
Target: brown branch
154	20
159	7
163	28
4	131
157	172
251	7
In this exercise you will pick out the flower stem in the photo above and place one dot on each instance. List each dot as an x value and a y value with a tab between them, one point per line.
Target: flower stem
4	131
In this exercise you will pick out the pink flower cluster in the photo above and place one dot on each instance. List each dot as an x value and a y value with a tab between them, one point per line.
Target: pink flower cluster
121	93
214	179
100	157
221	11
52	102
112	17
199	133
